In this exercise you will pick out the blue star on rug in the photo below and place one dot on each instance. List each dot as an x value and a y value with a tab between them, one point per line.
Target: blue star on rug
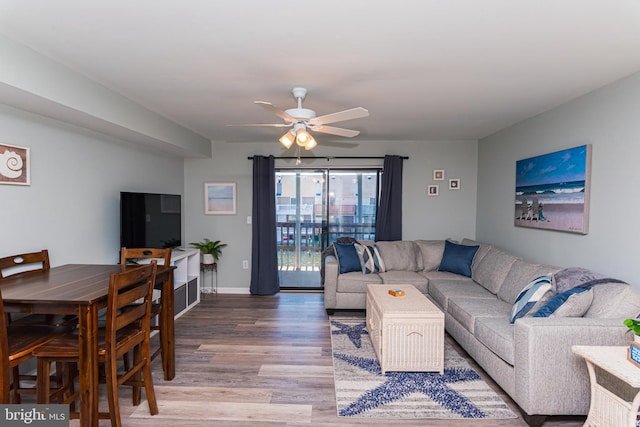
354	333
399	385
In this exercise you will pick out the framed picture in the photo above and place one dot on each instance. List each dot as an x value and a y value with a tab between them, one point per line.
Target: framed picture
15	168
552	190
438	174
220	198
454	184
433	190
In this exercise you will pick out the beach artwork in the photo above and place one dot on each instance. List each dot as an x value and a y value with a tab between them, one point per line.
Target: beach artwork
220	198
552	191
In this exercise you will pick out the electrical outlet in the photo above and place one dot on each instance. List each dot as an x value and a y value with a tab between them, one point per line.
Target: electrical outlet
245	264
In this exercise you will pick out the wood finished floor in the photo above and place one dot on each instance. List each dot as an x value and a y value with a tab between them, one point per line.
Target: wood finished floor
262	361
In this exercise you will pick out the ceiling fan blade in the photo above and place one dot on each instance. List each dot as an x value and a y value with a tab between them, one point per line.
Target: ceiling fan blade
274	125
349	133
275	110
339	144
340	116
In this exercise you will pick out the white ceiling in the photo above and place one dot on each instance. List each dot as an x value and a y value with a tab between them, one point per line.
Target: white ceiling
430	69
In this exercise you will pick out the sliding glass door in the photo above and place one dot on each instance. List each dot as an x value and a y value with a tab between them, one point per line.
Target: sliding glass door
313	209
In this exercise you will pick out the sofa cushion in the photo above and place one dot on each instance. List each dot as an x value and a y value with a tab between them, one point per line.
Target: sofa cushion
532	297
466	310
347	256
492	270
356	282
441	291
405	277
429	254
519	276
572	303
496	333
482	251
443	275
398	255
612	300
457	258
370	259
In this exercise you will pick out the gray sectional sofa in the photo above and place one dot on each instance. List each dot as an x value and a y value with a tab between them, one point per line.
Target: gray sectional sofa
531	359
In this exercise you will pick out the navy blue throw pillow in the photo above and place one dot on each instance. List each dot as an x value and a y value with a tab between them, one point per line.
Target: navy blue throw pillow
555	304
457	258
348	260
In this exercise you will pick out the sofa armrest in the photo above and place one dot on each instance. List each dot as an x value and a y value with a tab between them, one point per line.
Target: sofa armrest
330	281
547	373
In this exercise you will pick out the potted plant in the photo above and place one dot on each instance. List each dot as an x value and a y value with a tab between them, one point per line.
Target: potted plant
633	325
211	250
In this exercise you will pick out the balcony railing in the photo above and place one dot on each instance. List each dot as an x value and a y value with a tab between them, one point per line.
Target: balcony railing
300	244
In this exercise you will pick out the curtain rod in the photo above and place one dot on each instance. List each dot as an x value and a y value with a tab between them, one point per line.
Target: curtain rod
328	157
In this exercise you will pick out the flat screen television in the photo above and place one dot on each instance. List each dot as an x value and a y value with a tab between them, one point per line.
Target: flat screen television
150	220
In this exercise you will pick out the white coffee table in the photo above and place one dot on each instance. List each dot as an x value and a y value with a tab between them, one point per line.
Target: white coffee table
407	332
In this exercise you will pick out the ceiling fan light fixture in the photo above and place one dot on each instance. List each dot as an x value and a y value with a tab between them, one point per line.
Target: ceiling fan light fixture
287	139
302	137
311	144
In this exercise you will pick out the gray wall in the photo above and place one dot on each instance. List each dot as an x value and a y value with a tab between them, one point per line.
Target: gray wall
452	214
609	119
72	206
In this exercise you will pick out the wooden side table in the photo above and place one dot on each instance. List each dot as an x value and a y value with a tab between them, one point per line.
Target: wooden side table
608	407
213	268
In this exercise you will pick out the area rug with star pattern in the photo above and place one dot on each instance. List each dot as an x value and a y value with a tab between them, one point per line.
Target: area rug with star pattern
363	391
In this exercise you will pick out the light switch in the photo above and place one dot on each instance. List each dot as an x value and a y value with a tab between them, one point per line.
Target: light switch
249	219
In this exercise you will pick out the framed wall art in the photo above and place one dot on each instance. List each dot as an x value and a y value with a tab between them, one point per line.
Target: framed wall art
552	190
438	174
220	198
454	184
15	166
433	190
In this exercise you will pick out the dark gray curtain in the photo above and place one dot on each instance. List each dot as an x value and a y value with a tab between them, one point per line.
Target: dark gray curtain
389	215
264	260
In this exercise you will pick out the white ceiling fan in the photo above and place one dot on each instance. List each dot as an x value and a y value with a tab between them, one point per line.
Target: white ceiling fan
302	120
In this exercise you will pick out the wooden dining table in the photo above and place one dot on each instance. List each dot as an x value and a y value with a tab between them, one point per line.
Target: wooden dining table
82	289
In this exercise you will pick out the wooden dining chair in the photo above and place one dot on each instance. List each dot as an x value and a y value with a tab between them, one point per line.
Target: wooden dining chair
16	347
126	330
163	257
21	265
14	265
32	263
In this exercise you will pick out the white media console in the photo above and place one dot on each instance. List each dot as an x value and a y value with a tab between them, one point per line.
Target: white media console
186	279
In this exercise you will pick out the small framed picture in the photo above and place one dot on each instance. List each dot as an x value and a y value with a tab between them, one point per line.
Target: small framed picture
14	165
438	174
220	198
454	184
433	190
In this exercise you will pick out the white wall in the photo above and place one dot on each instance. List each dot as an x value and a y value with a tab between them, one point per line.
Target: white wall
609	119
72	205
452	214
35	83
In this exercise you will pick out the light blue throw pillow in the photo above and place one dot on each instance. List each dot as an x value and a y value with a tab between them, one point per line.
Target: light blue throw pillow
572	303
457	258
348	260
532	297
